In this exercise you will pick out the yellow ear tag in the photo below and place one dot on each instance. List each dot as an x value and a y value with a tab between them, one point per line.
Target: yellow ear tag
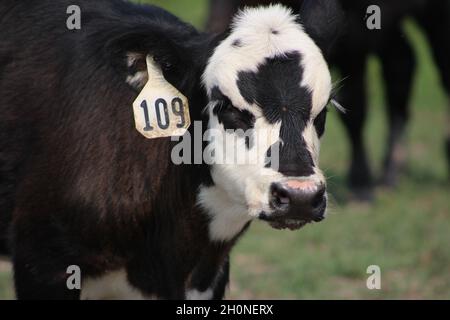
160	110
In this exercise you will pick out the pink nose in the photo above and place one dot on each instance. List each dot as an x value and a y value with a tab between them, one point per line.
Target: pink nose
305	185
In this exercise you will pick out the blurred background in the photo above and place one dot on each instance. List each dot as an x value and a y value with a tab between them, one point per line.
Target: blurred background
405	230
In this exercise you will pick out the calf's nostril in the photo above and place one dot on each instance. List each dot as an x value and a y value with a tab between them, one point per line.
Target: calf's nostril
279	197
318	198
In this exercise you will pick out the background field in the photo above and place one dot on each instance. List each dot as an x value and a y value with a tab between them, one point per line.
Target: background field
406	231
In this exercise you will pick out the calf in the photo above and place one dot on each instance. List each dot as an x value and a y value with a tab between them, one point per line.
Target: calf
81	187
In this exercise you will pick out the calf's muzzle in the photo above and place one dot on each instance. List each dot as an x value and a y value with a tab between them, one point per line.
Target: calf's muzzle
302	200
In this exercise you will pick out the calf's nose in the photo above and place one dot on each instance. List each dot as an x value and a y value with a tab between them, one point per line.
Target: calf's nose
298	199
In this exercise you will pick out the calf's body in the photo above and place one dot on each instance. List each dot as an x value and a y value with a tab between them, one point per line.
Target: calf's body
79	184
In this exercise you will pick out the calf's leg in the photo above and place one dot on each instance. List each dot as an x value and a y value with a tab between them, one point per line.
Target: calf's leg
353	97
398	63
40	268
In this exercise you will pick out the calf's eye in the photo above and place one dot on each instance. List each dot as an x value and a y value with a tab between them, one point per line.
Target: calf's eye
232	118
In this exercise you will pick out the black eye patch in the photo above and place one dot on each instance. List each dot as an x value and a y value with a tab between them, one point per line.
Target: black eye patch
232	118
319	122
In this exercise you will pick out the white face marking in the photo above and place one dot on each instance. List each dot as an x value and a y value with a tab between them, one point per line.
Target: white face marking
197	295
241	192
111	286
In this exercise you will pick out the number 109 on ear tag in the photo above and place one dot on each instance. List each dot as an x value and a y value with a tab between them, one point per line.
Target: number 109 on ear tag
160	110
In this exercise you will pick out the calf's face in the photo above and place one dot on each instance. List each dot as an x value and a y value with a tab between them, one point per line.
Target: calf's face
268	85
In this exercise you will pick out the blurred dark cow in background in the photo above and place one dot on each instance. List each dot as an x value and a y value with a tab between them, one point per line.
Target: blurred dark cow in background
80	186
398	64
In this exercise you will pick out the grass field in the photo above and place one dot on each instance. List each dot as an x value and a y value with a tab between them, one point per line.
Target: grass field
406	231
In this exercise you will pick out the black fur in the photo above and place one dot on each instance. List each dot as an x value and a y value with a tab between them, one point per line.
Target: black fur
237	43
322	20
233	118
319	122
276	89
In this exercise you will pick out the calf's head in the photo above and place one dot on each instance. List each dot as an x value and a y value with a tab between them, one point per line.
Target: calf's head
268	85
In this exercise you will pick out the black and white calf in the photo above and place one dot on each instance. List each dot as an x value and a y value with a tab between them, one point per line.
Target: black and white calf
80	186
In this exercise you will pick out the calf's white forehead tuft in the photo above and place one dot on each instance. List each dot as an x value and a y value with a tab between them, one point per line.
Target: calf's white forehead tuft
256	35
264	20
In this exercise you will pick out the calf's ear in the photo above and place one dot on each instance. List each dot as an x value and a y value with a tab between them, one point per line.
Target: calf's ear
323	20
175	50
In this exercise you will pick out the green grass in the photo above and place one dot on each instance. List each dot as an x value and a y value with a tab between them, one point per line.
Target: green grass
406	231
193	11
6	291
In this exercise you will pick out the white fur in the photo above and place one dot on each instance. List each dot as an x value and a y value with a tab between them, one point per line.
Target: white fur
197	295
138	80
111	286
228	217
194	294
